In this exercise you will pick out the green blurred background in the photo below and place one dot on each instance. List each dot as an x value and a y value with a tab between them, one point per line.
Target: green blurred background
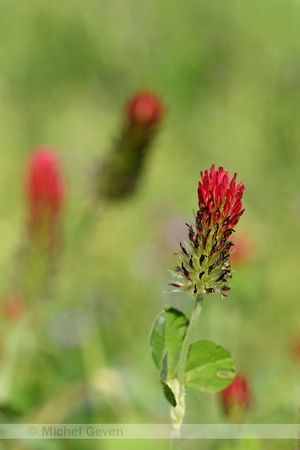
228	73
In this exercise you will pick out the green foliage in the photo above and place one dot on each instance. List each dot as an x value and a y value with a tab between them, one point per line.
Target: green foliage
210	368
168	393
167	335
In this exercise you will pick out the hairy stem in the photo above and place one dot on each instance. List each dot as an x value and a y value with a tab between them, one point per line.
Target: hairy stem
178	412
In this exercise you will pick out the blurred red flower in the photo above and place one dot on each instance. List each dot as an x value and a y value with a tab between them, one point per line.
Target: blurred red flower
244	250
12	306
44	187
296	347
236	397
144	108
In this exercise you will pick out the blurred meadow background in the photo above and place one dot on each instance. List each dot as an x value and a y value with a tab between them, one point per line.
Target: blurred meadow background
228	74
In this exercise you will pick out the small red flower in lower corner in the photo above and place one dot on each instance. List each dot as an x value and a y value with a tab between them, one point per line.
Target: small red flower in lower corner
236	398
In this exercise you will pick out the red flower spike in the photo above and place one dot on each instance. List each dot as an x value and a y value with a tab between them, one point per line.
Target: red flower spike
236	397
209	245
145	109
44	187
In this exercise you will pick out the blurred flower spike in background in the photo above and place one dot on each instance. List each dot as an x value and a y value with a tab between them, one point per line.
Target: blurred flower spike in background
205	260
236	398
145	108
119	174
45	189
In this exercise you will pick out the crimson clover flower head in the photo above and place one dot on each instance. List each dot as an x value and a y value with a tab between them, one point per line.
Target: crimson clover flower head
236	398
220	198
144	108
204	266
44	186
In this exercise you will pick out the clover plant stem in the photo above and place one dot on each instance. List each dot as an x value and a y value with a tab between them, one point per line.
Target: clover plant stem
175	440
178	412
188	339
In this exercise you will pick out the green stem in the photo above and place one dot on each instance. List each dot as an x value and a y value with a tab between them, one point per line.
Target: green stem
175	439
188	339
178	412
